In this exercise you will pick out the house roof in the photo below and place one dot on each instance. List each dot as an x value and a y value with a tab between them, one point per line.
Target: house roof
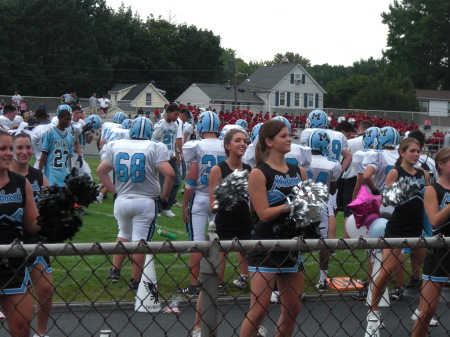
121	86
225	92
433	94
267	77
135	92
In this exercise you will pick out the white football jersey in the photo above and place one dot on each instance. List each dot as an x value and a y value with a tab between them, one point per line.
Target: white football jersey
338	142
382	161
354	145
206	153
357	161
188	129
166	133
106	129
324	170
36	140
135	163
117	134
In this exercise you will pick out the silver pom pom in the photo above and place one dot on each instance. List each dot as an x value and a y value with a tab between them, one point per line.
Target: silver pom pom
231	189
400	192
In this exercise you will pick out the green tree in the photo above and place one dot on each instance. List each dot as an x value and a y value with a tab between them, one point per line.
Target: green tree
289	57
419	41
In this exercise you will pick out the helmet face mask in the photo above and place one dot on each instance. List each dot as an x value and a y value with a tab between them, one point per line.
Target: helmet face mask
141	128
317	119
208	122
319	140
119	117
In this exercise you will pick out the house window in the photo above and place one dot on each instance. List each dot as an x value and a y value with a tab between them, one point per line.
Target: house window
282	98
424	106
148	99
296	99
298	79
310	100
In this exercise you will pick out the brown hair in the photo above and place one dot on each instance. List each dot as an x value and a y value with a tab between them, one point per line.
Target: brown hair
268	130
229	137
4	133
442	156
21	135
404	145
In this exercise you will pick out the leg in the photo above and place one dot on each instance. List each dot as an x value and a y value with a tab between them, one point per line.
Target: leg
291	291
243	263
261	285
18	310
428	303
43	286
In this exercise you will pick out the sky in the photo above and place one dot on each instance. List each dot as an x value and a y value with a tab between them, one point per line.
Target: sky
323	31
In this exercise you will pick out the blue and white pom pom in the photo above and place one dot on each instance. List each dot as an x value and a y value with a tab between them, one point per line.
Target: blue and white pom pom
231	190
400	192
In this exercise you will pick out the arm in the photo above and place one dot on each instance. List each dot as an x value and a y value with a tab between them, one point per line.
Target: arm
192	175
359	183
179	146
347	159
77	146
103	169
214	180
169	177
44	182
30	214
258	196
368	180
42	160
437	217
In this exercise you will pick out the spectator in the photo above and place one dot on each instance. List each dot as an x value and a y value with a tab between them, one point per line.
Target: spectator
75	100
447	139
67	98
16	99
104	105
23	107
93	103
42	106
427	124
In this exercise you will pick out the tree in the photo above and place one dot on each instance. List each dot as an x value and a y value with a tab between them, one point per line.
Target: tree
289	57
340	92
419	41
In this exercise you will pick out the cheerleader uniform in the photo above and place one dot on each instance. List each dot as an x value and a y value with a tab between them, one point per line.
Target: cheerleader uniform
36	179
437	262
237	222
279	186
14	276
407	218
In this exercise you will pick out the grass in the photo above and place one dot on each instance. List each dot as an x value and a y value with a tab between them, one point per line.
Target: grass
83	279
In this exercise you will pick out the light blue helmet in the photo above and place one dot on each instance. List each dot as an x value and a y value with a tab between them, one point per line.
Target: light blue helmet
63	107
284	120
208	122
119	117
319	140
370	138
126	124
94	122
229	127
255	131
243	123
317	119
141	128
388	136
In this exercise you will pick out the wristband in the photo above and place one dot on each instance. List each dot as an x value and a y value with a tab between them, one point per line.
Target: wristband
190	184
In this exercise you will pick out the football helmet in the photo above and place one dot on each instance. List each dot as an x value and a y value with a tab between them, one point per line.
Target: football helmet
243	123
119	117
388	136
94	122
141	128
255	131
126	124
63	107
370	138
208	122
319	140
317	119
284	120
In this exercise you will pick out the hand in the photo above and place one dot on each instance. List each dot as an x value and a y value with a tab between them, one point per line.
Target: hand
80	161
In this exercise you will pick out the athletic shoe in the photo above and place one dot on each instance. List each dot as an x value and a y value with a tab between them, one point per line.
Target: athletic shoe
415	283
190	290
373	316
1	315
416	314
396	294
364	283
262	332
322	286
361	296
134	284
275	297
168	213
182	191
114	275
241	282
197	333
223	290
177	204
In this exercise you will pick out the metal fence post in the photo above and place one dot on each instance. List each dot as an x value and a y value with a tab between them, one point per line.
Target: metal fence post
209	268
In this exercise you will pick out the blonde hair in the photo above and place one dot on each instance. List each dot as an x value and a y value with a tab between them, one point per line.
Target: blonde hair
404	145
268	130
442	156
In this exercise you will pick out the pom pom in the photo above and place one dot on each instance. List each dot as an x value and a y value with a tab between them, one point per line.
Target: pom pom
231	189
56	214
82	187
400	192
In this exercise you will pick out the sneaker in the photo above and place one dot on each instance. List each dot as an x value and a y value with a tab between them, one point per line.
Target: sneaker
177	204
373	316
262	332
275	297
2	315
114	275
182	191
322	286
223	290
190	290
416	314
361	296
415	283
363	282
396	294
197	333
134	284
168	213
241	282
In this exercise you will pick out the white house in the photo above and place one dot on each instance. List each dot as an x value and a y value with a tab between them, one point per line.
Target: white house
434	102
282	88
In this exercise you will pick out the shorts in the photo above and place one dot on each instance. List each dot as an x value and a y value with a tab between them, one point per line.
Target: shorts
347	193
44	261
136	218
14	277
436	265
282	262
93	109
104	110
200	214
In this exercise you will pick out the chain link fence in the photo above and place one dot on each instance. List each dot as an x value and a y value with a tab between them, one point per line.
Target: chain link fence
86	303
